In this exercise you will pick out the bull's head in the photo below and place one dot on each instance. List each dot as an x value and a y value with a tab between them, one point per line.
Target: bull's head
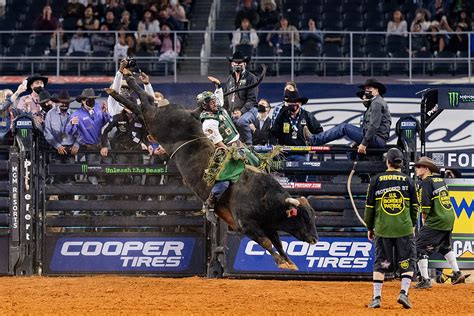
301	220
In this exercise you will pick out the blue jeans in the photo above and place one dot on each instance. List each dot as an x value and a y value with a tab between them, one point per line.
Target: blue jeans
243	124
342	130
219	189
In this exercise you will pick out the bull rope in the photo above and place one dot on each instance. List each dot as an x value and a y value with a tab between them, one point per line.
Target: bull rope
354	207
185	143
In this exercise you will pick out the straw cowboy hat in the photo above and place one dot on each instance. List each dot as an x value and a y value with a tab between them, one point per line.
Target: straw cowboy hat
428	163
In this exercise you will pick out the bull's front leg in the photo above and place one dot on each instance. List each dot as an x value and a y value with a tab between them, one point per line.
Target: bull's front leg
253	231
275	239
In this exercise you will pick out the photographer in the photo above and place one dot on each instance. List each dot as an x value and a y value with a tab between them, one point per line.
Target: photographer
120	85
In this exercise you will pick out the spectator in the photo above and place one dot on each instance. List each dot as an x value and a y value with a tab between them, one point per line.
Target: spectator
165	17
242	104
89	21
464	18
103	42
126	23
249	11
148	30
459	42
34	85
289	86
115	6
287	34
187	5
121	48
79	43
177	10
419	41
85	125
7	112
72	12
66	146
290	123
170	45
268	15
63	41
261	126
457	6
311	37
46	21
245	34
435	40
110	20
423	18
397	26
135	8
438	9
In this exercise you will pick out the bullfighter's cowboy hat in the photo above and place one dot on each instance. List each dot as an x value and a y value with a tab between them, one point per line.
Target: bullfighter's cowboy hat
294	96
87	93
428	163
33	78
374	84
62	97
44	96
238	57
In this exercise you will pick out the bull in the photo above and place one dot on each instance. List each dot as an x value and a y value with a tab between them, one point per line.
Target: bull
256	205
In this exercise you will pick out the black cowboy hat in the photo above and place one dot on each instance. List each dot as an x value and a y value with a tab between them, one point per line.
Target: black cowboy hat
294	96
44	96
238	57
62	97
374	84
87	93
33	78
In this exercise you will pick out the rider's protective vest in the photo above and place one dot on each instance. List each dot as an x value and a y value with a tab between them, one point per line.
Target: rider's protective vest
227	128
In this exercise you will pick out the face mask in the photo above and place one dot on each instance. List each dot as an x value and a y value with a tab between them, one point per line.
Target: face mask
45	107
366	103
294	107
368	95
262	108
63	108
90	103
237	69
38	89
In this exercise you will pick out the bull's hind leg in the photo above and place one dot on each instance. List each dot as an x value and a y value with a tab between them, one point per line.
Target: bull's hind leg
258	235
275	239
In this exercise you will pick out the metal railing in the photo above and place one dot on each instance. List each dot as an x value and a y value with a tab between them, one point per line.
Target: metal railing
22	54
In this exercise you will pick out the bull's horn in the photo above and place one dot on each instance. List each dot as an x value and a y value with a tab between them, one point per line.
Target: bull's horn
293	201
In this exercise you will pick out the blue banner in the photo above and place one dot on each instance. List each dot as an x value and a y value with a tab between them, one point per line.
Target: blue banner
126	254
330	255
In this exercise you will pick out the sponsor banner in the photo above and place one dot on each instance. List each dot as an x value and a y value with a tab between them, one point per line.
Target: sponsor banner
456	98
336	255
301	185
453	159
127	255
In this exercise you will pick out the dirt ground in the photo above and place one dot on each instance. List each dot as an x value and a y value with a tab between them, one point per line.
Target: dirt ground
150	295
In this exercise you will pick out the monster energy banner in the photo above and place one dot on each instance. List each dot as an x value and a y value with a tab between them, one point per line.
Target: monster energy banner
111	169
456	98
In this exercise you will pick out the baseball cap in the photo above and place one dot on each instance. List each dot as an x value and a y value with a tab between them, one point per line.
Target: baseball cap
394	155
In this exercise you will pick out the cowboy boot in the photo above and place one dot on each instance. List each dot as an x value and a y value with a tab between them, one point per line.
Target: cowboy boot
208	208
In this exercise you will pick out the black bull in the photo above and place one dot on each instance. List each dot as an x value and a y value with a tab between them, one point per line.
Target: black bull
256	205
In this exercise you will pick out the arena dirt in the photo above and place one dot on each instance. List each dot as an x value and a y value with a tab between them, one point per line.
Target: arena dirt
149	295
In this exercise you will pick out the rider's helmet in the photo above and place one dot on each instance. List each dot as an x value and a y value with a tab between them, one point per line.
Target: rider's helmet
204	98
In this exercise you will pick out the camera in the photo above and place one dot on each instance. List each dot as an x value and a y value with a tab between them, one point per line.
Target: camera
132	65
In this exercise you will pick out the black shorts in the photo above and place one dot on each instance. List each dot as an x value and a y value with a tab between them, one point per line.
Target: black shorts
400	250
431	240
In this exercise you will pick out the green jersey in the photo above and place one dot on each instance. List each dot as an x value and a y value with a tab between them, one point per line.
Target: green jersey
435	202
392	207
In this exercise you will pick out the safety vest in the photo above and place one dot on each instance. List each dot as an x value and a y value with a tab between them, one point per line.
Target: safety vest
227	128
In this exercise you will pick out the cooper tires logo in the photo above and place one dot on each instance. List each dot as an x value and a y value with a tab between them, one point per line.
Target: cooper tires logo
445	200
392	202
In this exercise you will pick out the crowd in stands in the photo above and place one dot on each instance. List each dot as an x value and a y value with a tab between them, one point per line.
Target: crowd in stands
313	27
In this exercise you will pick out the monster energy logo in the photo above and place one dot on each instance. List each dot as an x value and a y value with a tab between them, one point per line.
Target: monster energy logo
453	99
23	132
84	168
408	133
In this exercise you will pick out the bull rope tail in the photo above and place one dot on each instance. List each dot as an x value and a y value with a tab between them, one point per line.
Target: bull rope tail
354	207
185	143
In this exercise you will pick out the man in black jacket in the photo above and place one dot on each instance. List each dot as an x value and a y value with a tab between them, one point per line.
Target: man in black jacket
375	125
242	105
261	126
289	125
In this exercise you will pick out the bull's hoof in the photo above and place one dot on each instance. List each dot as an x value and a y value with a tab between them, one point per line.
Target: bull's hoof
288	266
